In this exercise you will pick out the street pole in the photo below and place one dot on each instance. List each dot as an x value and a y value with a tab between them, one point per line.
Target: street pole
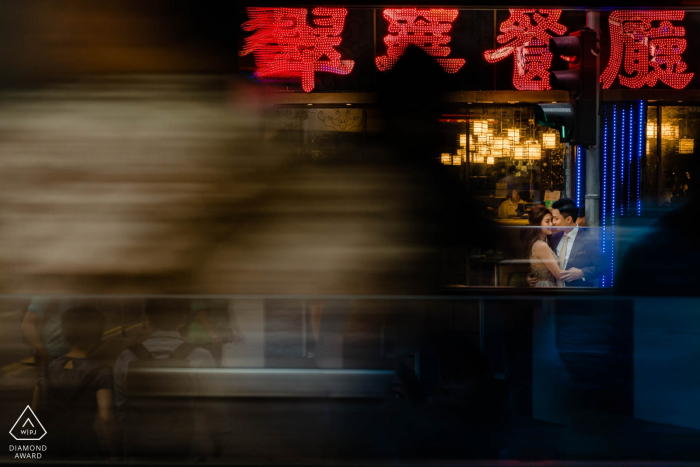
593	186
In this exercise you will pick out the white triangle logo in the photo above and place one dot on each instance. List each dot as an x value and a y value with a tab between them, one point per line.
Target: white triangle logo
34	432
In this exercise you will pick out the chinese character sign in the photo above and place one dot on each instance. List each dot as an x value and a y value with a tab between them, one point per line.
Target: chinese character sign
526	35
650	47
286	46
423	27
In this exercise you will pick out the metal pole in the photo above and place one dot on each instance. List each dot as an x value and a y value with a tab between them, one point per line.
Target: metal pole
593	212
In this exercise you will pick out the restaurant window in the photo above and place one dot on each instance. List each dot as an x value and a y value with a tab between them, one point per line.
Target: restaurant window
679	132
497	150
651	176
505	150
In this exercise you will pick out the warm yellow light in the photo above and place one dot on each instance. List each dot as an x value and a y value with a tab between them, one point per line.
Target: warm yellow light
486	138
446	158
514	135
549	140
484	150
490	160
456	160
669	131
478	159
534	150
651	130
686	146
463	140
519	151
481	127
503	144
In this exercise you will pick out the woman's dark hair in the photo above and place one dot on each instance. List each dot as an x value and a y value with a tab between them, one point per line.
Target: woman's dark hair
83	327
534	218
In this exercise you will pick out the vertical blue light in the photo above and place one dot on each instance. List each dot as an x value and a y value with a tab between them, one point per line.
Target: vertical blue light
622	158
613	197
579	175
605	183
630	150
641	145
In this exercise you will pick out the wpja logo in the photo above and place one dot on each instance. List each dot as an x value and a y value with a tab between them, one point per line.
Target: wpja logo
28	428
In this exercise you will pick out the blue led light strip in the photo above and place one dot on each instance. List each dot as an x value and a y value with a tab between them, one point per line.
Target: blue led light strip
605	184
629	161
613	198
641	145
579	163
623	149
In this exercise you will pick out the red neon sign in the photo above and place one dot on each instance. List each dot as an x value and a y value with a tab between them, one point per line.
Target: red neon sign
650	53
527	40
285	46
423	27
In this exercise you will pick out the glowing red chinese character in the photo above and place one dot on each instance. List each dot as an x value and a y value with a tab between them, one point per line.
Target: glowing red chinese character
525	33
423	27
285	46
650	53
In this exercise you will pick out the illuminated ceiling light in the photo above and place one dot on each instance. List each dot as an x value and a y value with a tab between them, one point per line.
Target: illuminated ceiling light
549	140
502	146
669	131
463	140
446	158
651	130
686	146
486	138
534	150
481	127
646	55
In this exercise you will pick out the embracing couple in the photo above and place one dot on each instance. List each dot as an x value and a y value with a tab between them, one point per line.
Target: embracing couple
571	257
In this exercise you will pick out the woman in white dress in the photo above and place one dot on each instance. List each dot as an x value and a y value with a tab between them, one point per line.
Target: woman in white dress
544	263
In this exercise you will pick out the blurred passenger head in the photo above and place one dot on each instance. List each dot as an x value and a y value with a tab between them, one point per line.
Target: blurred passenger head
166	314
539	216
83	327
514	195
564	213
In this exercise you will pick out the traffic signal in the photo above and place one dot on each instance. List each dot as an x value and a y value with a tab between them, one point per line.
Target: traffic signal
578	118
561	117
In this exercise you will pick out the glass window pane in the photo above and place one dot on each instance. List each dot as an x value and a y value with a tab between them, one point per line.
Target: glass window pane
679	131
